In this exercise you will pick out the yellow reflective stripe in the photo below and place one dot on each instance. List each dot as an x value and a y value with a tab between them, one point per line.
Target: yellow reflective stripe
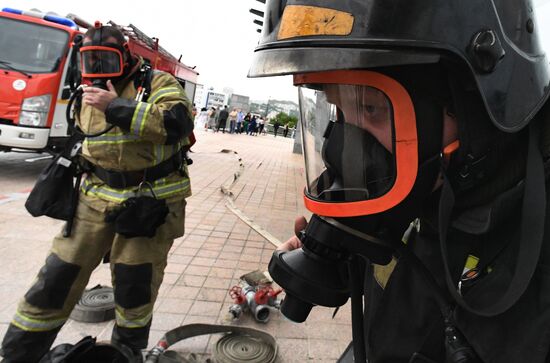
132	323
113	139
157	92
169	190
144	120
159	153
139	118
106	193
139	108
173	93
28	324
120	195
163	92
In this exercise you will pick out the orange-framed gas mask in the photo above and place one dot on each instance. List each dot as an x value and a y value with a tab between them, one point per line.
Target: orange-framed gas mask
100	58
359	140
102	61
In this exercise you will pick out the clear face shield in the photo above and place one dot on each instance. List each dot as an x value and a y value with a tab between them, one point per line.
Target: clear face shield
359	142
102	61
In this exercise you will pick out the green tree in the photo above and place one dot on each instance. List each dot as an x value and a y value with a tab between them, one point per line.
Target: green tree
283	118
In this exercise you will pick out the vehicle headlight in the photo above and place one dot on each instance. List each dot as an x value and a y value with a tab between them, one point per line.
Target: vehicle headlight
34	111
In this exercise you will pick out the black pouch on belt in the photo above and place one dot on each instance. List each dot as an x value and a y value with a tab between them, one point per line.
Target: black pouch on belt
55	193
139	216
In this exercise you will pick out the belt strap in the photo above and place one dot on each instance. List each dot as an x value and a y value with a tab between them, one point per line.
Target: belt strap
125	179
228	348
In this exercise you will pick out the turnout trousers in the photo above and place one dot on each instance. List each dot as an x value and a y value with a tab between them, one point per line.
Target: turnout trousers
137	269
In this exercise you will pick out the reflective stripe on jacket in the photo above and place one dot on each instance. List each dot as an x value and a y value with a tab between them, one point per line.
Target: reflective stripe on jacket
146	134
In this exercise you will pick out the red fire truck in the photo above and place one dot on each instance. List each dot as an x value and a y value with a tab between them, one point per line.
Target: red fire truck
34	75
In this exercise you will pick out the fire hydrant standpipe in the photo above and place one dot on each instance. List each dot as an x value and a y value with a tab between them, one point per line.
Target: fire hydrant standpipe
257	300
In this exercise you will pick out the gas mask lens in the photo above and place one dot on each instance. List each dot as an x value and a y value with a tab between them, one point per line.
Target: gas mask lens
101	62
348	141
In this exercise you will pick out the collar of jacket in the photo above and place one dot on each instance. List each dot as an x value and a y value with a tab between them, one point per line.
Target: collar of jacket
120	86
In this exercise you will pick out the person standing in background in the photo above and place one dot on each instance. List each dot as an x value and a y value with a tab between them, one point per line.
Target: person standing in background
222	119
232	120
212	115
240	118
201	121
276	126
246	121
261	125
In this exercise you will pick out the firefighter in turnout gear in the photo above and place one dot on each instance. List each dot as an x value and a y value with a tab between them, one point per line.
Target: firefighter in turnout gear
142	155
426	139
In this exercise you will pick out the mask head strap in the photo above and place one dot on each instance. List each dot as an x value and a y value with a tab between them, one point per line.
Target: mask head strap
96	40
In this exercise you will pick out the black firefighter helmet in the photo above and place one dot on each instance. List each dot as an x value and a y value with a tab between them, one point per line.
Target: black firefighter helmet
496	39
377	81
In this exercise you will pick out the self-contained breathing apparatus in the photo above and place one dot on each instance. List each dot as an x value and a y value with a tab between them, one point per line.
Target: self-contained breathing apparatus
376	100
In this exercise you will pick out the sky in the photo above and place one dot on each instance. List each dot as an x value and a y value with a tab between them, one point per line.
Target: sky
216	36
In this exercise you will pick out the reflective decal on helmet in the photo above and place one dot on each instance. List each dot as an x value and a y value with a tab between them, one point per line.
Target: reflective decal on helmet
300	21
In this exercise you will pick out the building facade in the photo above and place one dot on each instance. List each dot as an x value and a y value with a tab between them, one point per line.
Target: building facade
215	99
239	102
199	100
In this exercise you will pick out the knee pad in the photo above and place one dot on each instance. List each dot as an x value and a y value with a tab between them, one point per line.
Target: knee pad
133	284
53	284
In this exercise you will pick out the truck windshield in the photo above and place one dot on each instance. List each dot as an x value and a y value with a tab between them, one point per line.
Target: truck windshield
30	47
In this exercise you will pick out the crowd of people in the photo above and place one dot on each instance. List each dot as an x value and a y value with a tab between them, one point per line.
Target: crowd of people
235	122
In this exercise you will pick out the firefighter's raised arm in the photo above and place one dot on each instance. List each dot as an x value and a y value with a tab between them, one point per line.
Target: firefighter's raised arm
164	119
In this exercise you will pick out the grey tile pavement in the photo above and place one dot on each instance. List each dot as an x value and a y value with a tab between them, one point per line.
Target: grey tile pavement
217	247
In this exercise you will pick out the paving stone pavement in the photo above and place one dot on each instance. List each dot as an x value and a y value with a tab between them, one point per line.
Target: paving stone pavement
216	249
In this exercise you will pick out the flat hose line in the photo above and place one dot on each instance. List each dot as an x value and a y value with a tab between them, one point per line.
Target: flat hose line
240	345
229	203
96	305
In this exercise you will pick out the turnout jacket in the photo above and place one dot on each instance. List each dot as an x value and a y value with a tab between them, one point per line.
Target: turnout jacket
145	134
402	316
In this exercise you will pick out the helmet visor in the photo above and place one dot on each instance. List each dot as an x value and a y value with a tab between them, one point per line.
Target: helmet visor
101	62
353	143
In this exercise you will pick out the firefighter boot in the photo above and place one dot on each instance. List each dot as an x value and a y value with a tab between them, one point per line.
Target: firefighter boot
134	338
20	346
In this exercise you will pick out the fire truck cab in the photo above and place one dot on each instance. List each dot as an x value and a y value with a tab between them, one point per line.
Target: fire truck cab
36	65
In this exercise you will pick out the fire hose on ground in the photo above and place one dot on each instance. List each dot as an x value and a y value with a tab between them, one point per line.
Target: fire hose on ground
240	345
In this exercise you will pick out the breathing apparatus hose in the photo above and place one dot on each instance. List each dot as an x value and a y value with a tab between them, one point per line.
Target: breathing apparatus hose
71	119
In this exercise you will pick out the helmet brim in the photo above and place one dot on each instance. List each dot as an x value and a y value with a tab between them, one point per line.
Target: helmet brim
285	61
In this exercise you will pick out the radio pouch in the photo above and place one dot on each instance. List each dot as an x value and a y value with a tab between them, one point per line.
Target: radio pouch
139	216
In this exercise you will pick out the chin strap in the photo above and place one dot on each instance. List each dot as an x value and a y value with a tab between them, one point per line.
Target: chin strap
533	219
